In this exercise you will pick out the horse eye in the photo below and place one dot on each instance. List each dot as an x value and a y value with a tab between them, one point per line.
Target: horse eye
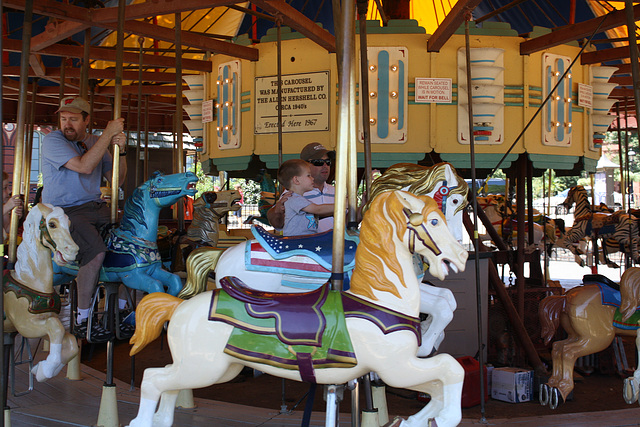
52	225
434	222
455	202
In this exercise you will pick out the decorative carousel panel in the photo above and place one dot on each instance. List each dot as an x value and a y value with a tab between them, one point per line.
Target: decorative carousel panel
487	96
228	105
557	112
599	119
388	95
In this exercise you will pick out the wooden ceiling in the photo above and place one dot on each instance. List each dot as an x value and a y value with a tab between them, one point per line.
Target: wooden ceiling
66	20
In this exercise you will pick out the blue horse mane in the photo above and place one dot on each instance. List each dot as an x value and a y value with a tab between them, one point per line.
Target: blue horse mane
134	209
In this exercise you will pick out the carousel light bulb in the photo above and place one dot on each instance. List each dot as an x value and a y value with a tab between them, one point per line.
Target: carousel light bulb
218	128
569	75
227	104
557	73
218	82
372	95
372	68
569	100
558	98
394	68
217	105
227	81
372	121
393	120
557	124
393	94
226	127
568	125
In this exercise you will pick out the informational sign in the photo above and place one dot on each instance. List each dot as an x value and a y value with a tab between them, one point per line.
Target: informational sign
305	103
207	111
437	91
585	95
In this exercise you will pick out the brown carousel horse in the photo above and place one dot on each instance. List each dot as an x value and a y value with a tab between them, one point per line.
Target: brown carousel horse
592	315
31	306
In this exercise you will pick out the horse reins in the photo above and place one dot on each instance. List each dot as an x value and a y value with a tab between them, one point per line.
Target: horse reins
418	230
45	235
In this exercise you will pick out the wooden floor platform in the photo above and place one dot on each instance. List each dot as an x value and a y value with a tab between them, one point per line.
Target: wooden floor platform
62	402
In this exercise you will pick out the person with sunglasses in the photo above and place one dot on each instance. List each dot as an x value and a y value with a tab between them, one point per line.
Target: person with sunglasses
320	160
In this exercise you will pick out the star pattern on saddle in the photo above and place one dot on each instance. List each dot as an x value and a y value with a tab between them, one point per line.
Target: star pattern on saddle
318	246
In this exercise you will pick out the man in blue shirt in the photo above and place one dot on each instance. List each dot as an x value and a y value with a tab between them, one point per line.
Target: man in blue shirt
73	165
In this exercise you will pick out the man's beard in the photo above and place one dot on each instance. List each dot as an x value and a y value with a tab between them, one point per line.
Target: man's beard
73	137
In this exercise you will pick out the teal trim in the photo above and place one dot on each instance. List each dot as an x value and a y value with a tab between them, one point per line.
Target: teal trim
589	164
514	88
401	95
514	104
483	160
413	85
577	109
384	160
553	161
394	26
247	93
535	88
245	101
244	110
383	94
231	163
513	95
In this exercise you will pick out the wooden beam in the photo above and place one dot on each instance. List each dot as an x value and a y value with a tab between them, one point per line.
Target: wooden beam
451	23
55	32
605	55
189	38
578	31
155	8
146	89
79	15
621	93
36	65
296	20
622	80
105	54
622	69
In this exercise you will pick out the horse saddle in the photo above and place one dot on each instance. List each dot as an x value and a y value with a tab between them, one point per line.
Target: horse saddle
306	256
610	295
292	331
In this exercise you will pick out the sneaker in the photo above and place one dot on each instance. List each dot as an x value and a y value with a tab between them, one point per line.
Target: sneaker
127	326
98	333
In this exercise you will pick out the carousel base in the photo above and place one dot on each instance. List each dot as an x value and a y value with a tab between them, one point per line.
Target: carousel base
60	402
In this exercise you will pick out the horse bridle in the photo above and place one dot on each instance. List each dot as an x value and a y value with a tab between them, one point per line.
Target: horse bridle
418	230
44	233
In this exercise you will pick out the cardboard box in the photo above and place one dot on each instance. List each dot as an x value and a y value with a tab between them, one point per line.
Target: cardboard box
512	385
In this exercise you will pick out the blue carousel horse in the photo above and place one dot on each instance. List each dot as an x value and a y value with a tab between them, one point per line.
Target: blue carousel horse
132	256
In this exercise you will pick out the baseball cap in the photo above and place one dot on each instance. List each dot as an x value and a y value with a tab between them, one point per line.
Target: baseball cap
314	151
74	104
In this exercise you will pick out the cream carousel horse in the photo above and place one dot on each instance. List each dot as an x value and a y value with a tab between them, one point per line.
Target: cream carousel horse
592	315
31	305
322	336
305	270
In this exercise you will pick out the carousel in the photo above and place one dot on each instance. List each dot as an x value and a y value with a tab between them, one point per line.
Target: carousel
430	302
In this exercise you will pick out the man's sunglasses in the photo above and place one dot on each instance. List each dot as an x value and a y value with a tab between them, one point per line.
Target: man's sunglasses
320	162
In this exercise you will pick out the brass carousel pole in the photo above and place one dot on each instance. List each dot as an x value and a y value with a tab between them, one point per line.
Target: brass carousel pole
145	163
26	163
623	190
140	60
178	117
84	70
20	126
344	139
364	94
633	53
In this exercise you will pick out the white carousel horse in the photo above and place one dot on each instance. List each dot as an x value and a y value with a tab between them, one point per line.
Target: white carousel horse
502	217
213	335
304	272
31	305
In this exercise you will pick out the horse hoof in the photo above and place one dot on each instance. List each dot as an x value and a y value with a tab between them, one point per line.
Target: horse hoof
543	394
629	391
554	398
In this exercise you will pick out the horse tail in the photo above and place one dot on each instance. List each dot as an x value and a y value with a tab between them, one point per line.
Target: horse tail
549	312
151	313
629	292
199	263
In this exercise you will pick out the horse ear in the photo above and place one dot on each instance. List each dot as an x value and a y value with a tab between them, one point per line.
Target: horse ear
45	210
449	174
410	201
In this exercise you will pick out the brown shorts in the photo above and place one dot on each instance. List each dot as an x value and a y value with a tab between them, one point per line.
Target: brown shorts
87	220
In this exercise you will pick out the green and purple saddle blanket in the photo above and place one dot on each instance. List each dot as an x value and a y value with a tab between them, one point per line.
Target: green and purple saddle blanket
610	295
304	331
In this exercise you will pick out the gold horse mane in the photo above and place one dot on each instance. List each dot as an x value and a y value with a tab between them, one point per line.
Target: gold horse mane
419	180
376	249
